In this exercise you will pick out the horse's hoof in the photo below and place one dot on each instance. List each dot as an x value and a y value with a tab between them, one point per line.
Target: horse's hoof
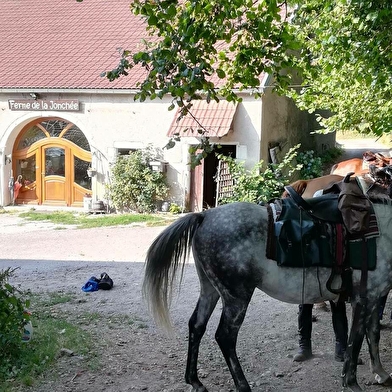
352	388
385	383
199	389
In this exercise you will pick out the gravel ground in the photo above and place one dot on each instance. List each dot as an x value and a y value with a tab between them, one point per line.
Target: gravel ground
139	357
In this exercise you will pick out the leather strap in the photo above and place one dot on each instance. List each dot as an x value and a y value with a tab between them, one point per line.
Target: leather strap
298	198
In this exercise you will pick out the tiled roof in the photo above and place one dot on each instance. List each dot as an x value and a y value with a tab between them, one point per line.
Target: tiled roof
65	44
216	118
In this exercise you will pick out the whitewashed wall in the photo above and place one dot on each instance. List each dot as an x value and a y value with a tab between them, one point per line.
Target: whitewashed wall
112	120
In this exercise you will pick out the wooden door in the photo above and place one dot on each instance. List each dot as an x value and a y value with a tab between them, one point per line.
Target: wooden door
54	181
53	156
196	191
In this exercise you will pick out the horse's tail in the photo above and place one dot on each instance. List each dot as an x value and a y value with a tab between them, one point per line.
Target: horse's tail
165	255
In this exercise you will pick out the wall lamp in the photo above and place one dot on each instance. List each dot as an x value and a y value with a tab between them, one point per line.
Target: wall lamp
34	95
8	158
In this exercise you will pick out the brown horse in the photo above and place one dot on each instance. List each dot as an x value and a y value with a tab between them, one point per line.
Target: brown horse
360	166
354	165
307	188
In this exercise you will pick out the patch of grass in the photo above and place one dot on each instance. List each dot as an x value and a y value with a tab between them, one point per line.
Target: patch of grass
89	318
53	331
56	217
354	135
118	220
58	298
50	335
90	221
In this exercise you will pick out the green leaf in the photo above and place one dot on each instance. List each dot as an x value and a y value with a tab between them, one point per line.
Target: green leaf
152	20
221	74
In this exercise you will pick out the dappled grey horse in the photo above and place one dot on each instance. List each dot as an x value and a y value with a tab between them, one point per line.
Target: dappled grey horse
229	250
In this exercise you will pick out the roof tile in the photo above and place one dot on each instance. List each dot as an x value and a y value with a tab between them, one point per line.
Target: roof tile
216	117
66	44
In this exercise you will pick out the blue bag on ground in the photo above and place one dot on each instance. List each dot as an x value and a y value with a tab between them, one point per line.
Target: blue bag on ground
91	285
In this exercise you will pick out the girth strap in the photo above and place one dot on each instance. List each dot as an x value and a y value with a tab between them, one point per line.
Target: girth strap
364	273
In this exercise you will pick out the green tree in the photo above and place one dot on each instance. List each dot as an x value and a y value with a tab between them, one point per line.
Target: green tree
340	49
346	62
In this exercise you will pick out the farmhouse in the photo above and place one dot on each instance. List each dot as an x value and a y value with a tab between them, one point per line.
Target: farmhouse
62	124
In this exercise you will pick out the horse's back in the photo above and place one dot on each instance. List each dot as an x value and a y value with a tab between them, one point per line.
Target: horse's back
230	218
227	228
316	184
351	165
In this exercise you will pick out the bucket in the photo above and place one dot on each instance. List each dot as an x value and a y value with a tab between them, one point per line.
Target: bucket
165	206
87	204
27	332
98	205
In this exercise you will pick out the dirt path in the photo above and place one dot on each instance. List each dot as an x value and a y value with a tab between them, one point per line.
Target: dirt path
354	148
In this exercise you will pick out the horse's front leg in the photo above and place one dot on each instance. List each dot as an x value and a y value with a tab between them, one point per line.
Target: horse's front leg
197	326
373	339
355	340
233	313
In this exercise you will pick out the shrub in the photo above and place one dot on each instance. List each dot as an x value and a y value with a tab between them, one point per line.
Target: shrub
175	208
261	183
312	165
330	157
135	186
13	304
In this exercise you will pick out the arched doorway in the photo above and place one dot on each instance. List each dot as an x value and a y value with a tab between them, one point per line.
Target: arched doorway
53	156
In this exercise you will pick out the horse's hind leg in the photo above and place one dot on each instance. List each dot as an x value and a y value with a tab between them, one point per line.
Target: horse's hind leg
197	326
373	339
233	313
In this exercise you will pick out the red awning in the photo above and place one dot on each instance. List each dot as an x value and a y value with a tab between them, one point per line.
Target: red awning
215	117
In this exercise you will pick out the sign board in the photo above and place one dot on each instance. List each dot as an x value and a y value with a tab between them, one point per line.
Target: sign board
59	105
